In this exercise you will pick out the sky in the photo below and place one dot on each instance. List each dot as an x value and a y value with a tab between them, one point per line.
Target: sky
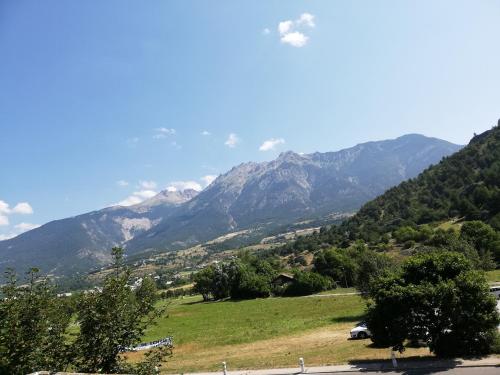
109	102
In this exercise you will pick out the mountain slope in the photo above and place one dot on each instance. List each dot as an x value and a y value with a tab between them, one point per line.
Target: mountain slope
80	242
294	187
465	185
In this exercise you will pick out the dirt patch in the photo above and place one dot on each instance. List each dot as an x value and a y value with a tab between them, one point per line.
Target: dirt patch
327	345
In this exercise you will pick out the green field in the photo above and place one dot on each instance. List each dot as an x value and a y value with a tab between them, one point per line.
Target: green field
263	333
493	276
226	323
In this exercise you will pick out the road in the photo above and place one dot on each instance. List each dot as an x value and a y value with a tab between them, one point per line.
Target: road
441	371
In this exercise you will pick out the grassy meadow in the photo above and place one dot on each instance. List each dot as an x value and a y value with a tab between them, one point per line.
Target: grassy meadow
493	276
263	333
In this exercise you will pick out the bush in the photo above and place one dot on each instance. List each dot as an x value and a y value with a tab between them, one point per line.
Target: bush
306	283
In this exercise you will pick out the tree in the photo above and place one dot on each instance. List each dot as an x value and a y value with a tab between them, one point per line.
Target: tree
370	266
337	265
437	298
33	322
113	319
203	282
306	283
483	237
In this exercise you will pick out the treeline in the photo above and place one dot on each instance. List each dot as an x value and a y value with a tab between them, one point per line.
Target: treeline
249	276
35	325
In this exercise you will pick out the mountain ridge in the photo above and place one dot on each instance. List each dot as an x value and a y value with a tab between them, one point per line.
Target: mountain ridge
290	188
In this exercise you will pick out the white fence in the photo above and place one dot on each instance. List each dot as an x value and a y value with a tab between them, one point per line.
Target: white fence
167	341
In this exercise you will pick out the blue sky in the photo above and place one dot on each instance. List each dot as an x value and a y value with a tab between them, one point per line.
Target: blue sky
103	99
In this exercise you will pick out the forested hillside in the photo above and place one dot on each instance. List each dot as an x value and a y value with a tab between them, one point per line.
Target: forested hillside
463	187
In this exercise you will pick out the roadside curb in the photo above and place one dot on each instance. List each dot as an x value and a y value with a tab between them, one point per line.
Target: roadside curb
364	367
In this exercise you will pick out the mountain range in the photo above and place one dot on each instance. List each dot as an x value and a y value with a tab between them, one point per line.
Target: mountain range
251	196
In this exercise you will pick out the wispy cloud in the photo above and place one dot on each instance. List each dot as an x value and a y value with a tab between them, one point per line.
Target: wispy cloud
232	140
293	32
4	220
161	133
205	132
266	31
175	145
184	185
22	208
271	144
24	227
148	185
137	197
132	142
122	183
208	179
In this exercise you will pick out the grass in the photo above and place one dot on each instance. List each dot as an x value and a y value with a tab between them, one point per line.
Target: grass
263	333
493	276
235	322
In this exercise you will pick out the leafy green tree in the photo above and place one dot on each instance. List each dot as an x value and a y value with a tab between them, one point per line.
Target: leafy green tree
370	266
113	319
336	264
483	237
437	298
246	283
33	322
204	282
306	283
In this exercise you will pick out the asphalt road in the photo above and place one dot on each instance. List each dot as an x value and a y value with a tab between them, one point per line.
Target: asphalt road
440	371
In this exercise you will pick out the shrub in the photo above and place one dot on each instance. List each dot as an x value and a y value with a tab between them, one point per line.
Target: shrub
306	283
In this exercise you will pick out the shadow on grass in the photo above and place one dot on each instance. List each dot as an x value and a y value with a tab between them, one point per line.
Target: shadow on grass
201	302
348	318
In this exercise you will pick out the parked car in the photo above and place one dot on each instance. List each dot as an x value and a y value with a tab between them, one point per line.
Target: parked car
361	331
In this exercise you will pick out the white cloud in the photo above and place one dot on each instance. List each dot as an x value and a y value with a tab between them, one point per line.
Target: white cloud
166	131
137	197
24	227
208	179
205	132
163	132
285	27
122	183
23	208
270	144
184	185
295	39
145	194
292	32
232	140
4	220
306	19
147	185
266	31
130	201
4	207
